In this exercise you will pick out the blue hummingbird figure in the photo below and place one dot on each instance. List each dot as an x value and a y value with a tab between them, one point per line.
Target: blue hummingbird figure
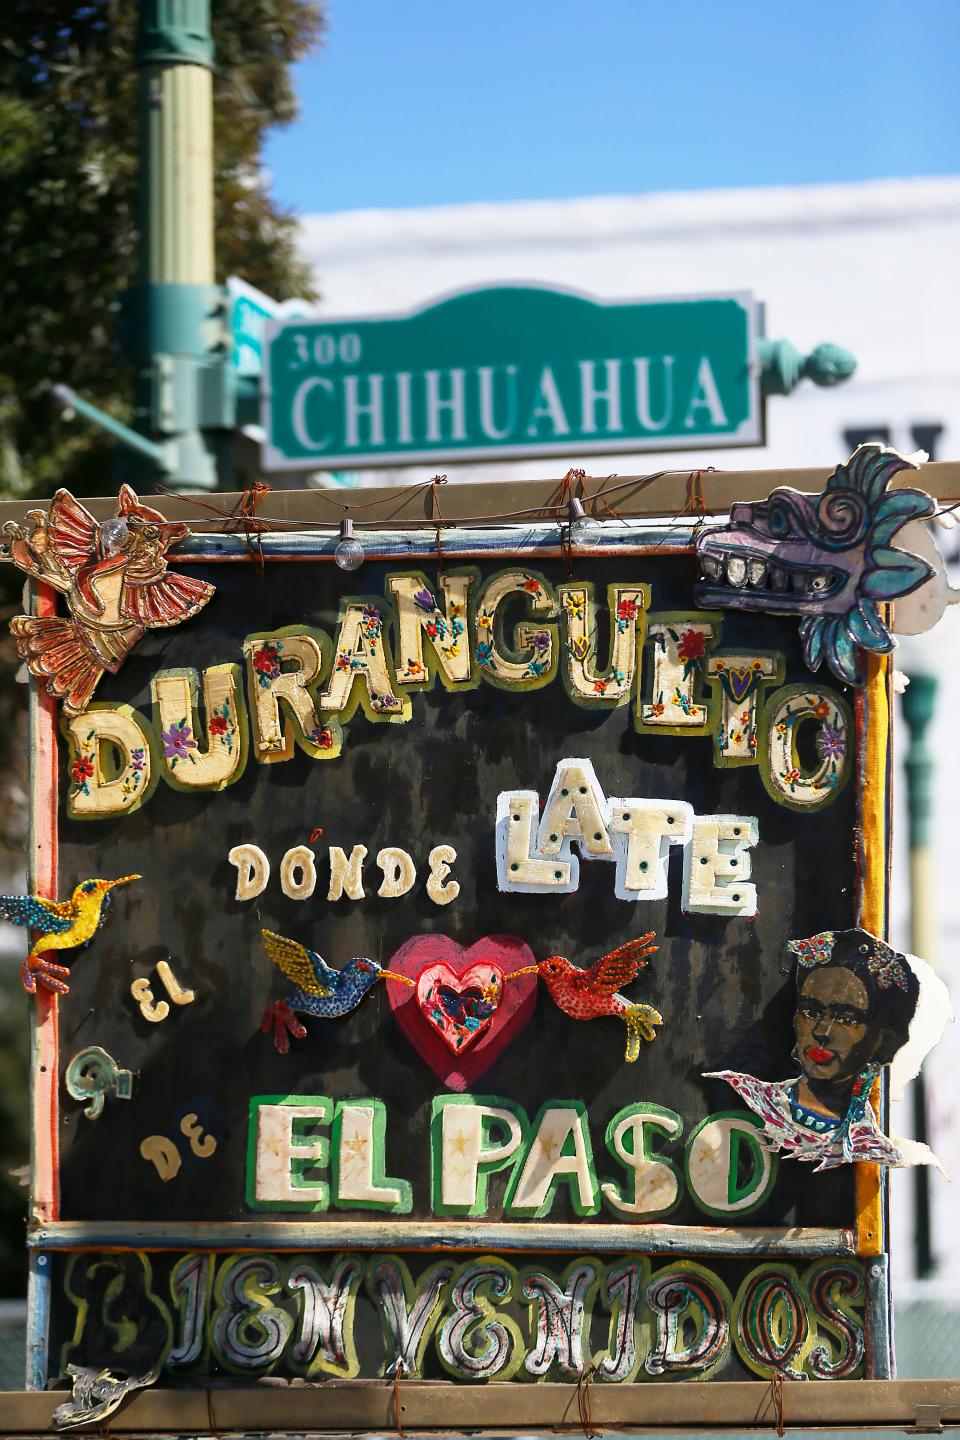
320	990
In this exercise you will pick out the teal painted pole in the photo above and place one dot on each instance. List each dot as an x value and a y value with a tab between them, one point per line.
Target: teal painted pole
73	404
918	702
176	320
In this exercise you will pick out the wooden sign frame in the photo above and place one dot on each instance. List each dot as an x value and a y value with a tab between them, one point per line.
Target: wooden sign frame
51	1235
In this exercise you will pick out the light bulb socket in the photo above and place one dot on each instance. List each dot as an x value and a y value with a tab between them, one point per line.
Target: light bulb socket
575	510
348	552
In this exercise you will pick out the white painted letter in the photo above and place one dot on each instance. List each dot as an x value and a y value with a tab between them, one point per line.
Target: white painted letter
716	866
547	406
346	876
399	872
371	411
253	870
641	366
299	412
705	396
454	404
488	424
591	397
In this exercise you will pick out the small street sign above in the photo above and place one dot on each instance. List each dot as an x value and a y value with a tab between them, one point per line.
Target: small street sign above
250	309
512	371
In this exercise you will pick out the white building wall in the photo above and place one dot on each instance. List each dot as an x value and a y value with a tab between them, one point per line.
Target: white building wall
870	266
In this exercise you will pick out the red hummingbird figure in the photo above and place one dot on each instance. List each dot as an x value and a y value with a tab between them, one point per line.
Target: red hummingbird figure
588	994
113	576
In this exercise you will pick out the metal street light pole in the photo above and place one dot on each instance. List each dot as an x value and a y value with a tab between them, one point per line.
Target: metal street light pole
176	319
918	703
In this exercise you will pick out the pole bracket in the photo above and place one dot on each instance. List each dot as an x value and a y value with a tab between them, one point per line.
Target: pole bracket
927	1421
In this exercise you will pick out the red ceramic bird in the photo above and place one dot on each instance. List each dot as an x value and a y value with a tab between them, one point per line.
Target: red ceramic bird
114	578
588	994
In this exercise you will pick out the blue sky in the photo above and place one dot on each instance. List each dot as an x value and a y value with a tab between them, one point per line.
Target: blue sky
426	102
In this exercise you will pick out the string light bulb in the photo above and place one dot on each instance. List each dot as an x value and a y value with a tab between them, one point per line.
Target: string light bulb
584	529
349	553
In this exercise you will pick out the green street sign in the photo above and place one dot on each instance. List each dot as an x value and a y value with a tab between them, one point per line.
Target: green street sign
250	309
512	371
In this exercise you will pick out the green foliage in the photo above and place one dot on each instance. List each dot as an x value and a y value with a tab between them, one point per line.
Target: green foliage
68	195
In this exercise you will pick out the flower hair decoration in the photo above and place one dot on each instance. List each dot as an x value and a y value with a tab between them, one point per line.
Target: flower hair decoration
817	950
886	966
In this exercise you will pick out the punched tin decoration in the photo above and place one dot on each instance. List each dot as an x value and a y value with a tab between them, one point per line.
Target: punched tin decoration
467	896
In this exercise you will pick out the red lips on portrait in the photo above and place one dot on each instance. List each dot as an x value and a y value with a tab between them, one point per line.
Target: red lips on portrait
818	1055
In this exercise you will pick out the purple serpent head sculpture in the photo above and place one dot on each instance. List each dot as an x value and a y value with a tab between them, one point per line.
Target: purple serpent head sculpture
828	558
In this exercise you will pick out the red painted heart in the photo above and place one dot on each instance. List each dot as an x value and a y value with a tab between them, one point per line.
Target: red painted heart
478	985
459	1007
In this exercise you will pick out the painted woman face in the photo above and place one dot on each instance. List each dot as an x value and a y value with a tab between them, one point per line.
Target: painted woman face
836	1039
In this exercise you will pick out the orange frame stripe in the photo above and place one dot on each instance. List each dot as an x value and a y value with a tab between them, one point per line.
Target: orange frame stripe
43	877
873	716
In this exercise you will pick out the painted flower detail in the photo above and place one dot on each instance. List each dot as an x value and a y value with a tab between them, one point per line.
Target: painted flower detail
82	769
791	778
752	742
372	622
573	603
425	600
222	725
692	646
414	667
658	707
322	737
456	626
579	648
535	668
383	702
831	742
178	743
626	613
133	780
821	710
343	660
541	641
531	586
600	687
485	654
266	661
884	965
682	700
484	621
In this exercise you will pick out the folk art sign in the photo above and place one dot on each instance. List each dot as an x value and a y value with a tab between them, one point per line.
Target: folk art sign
494	983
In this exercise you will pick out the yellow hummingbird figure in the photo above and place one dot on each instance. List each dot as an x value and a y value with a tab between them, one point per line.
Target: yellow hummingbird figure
62	925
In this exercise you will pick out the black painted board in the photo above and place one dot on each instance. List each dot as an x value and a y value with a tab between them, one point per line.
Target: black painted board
719	983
